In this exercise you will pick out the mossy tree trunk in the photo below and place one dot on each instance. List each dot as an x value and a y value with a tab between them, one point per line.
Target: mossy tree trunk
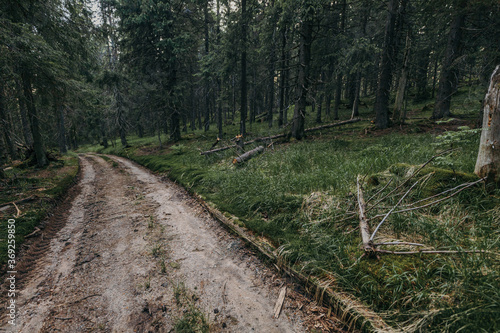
488	159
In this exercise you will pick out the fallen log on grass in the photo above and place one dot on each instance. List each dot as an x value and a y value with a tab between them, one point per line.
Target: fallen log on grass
277	136
248	155
350	121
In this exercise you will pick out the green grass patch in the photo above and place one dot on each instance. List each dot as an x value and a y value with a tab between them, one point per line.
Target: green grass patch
46	186
302	197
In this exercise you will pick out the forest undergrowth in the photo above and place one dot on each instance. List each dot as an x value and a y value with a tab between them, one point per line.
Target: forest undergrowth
302	196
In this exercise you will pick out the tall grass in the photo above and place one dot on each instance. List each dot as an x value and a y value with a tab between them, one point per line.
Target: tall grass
297	194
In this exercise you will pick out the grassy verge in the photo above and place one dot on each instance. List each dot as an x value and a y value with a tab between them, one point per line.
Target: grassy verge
43	186
302	197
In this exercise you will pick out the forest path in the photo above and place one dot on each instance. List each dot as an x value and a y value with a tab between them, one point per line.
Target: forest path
136	254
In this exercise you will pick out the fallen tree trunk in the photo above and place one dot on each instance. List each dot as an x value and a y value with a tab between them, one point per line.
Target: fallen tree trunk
351	121
277	136
217	150
248	155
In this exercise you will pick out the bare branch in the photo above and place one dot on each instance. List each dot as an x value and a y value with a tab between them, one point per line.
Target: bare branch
412	175
363	224
399	243
393	208
434	202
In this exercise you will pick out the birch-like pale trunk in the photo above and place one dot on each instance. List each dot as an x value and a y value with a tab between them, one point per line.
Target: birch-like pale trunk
488	158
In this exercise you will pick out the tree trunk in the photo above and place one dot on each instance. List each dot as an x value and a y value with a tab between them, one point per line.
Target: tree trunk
243	92
381	107
319	108
488	158
61	135
207	79
104	137
120	117
299	114
338	96
28	139
41	158
449	71
355	104
398	114
5	125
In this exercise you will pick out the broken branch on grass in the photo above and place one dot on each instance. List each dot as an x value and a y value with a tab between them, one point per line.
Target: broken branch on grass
363	222
17	209
373	196
277	136
399	243
412	175
436	201
392	209
433	251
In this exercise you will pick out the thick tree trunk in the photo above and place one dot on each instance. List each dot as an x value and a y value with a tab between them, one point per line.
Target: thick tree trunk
120	117
355	104
28	139
399	115
421	74
449	71
104	137
338	96
283	82
207	79
61	135
5	125
488	158
381	107
41	158
299	114
243	92
319	109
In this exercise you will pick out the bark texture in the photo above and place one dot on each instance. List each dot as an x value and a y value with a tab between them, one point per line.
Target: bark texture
488	159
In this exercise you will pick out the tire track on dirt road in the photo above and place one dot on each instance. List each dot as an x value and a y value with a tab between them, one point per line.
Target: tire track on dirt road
137	254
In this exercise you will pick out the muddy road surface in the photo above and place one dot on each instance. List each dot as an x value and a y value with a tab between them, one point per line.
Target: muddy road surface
136	254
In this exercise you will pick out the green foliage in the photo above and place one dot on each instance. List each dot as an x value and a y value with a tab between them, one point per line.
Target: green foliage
297	195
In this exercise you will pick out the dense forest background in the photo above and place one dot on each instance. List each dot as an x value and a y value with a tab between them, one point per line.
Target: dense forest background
80	71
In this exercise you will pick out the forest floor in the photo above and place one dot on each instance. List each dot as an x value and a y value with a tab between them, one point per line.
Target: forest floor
134	252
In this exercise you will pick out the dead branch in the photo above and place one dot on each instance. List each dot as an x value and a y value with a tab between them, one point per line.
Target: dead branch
392	209
332	125
217	150
17	209
378	192
434	202
37	230
439	194
433	252
363	222
277	136
215	144
412	175
279	303
399	243
28	199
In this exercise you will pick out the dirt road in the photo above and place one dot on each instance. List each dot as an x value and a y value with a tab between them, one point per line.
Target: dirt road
136	254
